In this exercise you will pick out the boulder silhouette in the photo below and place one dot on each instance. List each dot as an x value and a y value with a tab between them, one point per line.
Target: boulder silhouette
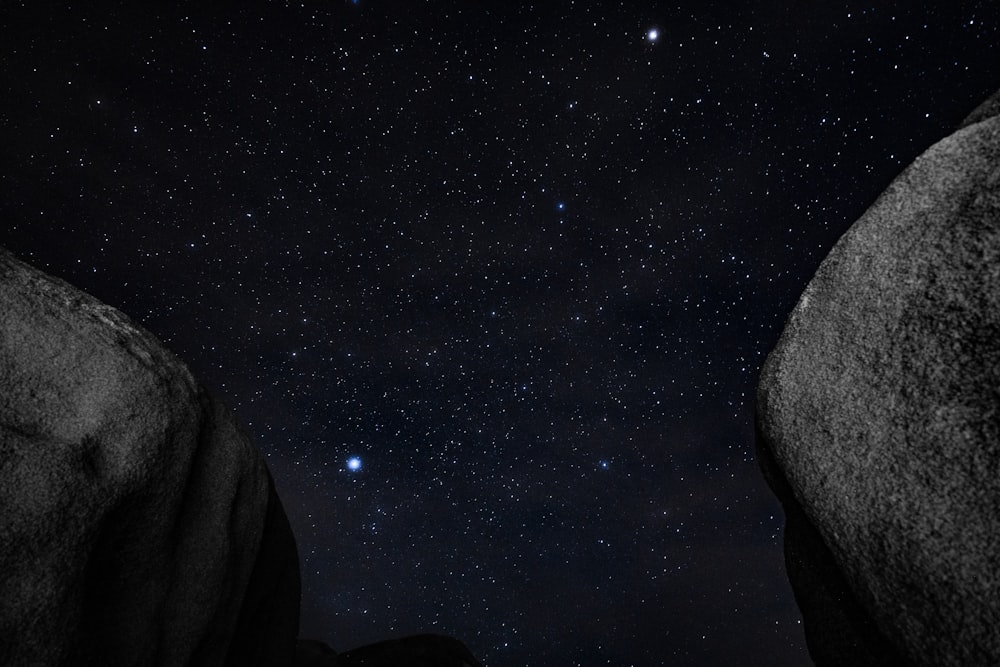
426	650
314	653
139	525
879	418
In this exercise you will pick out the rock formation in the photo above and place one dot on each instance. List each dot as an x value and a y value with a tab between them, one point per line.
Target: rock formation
879	419
138	523
416	651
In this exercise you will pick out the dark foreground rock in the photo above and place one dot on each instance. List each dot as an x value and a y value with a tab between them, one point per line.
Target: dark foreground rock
134	509
139	526
879	415
417	651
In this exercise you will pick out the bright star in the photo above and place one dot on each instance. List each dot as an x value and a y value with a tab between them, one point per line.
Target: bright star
653	34
354	464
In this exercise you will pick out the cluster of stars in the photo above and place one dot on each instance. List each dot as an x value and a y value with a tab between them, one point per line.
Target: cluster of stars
491	302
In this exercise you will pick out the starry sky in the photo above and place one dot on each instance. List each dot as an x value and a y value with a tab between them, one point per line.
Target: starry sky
490	283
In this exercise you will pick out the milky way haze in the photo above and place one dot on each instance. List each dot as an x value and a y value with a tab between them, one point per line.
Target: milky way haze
489	283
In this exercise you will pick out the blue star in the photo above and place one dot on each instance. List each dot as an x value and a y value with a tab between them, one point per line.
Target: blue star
561	206
354	464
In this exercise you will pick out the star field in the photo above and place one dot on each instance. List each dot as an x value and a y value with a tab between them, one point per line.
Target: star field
489	283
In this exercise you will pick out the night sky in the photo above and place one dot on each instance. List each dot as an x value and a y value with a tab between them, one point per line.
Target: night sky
490	283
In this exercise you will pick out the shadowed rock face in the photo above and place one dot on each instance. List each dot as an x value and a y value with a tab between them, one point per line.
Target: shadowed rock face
839	631
138	523
134	507
879	413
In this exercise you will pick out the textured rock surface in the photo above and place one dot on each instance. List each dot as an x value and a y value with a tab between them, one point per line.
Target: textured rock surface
881	407
133	507
839	631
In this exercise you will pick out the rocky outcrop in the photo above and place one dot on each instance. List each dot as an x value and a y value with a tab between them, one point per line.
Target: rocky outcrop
313	653
839	631
416	651
138	523
425	650
879	414
268	622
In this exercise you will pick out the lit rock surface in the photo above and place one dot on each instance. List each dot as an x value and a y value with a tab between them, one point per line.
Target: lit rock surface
133	509
879	410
